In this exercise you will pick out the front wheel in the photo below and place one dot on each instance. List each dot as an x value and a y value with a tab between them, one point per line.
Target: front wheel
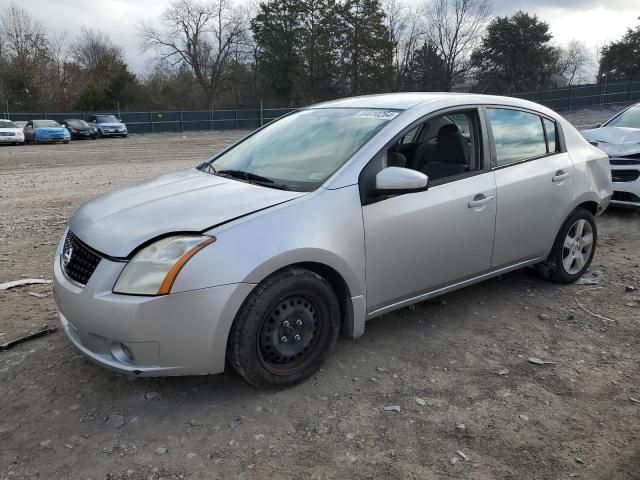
572	250
285	329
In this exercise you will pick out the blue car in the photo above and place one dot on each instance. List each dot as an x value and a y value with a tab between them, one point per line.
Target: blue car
46	131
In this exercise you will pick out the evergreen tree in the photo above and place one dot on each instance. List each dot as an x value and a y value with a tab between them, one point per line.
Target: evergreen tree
428	69
367	49
515	55
277	31
620	60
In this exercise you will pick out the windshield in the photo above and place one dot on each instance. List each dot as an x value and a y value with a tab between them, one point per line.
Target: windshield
630	118
7	124
45	124
107	119
77	123
302	150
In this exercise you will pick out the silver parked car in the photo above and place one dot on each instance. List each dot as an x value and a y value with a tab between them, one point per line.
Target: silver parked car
320	221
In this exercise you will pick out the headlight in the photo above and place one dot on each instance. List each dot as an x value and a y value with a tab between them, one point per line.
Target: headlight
153	269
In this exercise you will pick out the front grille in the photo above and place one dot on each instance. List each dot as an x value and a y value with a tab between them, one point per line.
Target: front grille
625	197
78	261
625	175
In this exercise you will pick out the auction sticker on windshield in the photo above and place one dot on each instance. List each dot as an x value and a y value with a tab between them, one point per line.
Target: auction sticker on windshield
378	114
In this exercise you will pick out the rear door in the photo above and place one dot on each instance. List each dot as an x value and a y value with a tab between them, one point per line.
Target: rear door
534	181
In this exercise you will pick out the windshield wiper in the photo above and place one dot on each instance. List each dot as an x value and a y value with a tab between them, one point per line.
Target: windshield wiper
248	176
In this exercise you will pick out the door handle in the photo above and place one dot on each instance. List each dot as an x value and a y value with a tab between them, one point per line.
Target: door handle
480	200
560	176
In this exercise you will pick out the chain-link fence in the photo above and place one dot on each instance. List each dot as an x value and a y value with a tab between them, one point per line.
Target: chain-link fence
172	121
577	96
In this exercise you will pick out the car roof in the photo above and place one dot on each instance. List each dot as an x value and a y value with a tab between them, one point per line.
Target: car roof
405	101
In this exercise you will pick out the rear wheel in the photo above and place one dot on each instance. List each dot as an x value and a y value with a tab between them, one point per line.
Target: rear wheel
284	331
572	250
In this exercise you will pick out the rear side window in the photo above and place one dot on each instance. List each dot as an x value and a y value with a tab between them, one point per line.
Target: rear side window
552	135
517	135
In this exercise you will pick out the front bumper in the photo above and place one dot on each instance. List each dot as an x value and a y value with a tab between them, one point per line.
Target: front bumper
626	193
113	133
179	334
50	139
11	139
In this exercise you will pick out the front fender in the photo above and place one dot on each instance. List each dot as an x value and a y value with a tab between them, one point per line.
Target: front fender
324	227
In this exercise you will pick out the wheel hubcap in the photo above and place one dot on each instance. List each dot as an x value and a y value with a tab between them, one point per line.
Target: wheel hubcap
289	330
577	247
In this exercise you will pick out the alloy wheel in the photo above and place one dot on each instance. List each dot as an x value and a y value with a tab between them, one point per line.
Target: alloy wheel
577	247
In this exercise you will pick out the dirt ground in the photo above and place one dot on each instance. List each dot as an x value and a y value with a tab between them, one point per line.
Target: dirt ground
471	404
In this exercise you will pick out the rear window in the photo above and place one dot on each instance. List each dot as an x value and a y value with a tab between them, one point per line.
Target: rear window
517	135
7	124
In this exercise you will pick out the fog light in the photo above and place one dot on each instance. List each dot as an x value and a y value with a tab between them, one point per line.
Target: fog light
121	353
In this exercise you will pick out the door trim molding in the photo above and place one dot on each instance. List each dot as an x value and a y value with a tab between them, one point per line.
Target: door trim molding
451	287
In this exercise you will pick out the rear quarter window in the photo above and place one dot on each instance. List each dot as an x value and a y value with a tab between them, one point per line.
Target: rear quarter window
517	135
552	135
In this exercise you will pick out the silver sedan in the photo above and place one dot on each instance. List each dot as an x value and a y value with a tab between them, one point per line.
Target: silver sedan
262	255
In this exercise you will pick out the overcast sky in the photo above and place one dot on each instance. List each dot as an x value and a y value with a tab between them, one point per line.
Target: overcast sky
595	22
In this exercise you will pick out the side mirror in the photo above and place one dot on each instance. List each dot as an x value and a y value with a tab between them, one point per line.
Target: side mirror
398	180
598	125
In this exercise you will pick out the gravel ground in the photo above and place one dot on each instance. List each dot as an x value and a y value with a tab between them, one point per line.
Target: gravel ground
470	403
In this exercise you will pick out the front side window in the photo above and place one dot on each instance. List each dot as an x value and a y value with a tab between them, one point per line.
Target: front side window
300	151
517	135
630	118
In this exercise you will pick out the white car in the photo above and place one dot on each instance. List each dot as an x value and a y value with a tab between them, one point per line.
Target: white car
10	133
620	139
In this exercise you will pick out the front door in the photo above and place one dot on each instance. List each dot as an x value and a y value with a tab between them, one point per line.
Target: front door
418	242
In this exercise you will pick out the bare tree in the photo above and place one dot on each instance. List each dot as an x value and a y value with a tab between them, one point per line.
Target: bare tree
406	29
200	34
62	69
455	28
25	50
94	51
576	63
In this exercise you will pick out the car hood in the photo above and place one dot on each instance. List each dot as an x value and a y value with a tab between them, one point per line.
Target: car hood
615	141
117	125
11	130
116	223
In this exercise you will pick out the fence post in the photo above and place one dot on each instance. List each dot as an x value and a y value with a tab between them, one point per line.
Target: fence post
236	115
602	87
261	114
570	97
630	89
181	125
213	119
210	121
151	121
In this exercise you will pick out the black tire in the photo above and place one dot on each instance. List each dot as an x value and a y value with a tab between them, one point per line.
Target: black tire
553	268
254	348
